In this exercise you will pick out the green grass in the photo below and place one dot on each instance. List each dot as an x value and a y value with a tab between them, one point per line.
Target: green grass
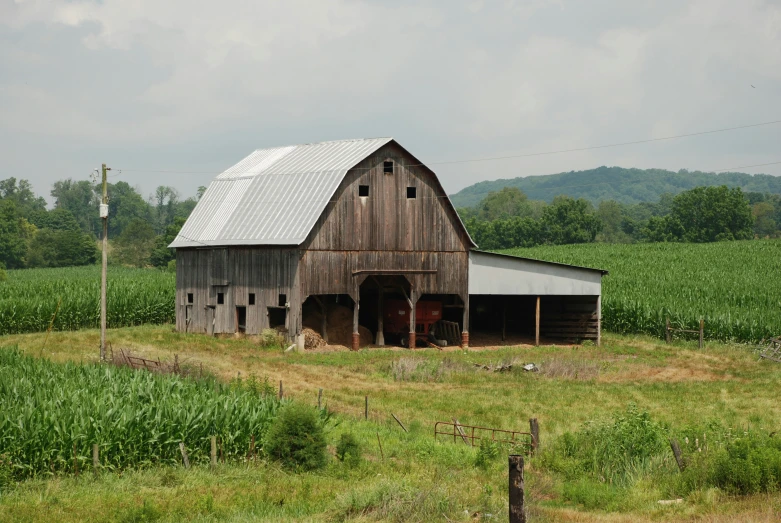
30	298
732	285
417	478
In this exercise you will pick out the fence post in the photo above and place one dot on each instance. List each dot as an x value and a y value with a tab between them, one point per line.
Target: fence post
213	453
75	460
702	330
667	331
95	458
185	459
677	453
320	400
517	513
280	389
366	408
534	428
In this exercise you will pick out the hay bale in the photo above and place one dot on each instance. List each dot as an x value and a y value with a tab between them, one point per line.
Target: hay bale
340	326
312	340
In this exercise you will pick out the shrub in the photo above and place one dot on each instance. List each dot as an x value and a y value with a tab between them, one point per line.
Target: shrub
296	438
487	453
271	339
348	450
3	274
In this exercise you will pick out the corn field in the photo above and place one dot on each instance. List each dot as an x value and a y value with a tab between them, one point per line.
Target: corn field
734	286
137	418
29	299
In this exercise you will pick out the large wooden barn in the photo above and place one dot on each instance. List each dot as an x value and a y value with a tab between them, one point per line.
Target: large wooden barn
362	224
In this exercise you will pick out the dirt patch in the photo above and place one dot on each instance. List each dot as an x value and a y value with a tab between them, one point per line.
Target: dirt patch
670	374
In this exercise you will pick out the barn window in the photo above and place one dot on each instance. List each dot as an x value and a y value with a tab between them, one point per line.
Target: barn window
363	190
220	298
282	300
387	167
189	297
412	193
252	298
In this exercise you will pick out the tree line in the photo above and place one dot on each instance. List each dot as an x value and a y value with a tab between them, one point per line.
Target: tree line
139	229
508	218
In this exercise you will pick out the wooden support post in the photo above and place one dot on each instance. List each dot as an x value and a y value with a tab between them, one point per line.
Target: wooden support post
185	459
95	458
320	399
465	326
504	318
667	333
399	422
517	513
677	453
702	332
366	408
412	331
382	454
356	334
599	320
280	389
534	429
213	453
252	448
537	323
380	316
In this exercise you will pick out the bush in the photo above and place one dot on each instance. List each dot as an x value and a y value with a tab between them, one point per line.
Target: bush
296	438
487	453
271	339
348	450
3	274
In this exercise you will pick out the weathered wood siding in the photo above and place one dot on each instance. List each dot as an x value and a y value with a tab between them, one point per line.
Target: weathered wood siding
236	272
386	220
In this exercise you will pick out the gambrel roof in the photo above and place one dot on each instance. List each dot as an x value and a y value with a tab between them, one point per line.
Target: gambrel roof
274	196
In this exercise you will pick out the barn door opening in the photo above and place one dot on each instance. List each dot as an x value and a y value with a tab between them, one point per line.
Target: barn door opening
277	317
241	319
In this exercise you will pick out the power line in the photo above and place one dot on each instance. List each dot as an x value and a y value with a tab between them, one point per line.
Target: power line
523	155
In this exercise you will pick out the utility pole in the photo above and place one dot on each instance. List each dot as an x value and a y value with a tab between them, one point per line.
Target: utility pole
104	217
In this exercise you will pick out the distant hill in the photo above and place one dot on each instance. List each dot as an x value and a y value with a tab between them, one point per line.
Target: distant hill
616	183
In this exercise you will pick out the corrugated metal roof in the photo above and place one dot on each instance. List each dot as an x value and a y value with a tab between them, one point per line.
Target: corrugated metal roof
273	196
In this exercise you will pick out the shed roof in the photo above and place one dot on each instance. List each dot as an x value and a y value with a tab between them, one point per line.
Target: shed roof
273	196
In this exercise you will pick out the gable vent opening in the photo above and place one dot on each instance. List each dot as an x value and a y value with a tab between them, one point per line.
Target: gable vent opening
387	167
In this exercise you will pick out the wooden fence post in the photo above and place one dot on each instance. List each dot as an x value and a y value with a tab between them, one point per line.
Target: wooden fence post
702	331
667	336
213	453
280	389
95	458
185	459
517	513
252	448
534	428
320	400
677	453
382	454
366	408
75	460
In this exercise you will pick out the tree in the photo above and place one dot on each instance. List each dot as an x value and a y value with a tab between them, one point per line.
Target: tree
27	203
764	219
165	202
709	214
161	254
13	247
614	222
82	200
61	248
125	204
135	244
568	220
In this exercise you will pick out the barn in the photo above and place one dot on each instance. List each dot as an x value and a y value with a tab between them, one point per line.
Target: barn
293	233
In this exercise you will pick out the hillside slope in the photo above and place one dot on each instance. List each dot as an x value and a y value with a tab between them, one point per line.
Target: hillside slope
616	183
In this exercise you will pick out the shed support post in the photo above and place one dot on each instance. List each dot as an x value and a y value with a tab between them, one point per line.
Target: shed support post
537	323
413	305
599	321
380	315
356	334
504	317
465	328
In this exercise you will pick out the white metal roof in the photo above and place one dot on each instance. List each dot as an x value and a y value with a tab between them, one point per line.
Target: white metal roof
273	196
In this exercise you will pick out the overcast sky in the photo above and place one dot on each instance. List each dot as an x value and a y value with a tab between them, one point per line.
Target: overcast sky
148	85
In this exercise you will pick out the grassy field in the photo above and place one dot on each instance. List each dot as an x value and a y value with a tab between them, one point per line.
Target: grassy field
416	478
31	297
732	285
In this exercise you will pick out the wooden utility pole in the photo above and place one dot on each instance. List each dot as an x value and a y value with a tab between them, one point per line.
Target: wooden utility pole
104	217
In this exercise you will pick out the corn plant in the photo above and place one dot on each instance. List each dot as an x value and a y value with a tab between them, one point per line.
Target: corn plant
137	418
30	298
734	286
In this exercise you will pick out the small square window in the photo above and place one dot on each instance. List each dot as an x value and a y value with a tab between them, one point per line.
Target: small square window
189	297
282	300
252	298
387	167
220	298
363	190
412	192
